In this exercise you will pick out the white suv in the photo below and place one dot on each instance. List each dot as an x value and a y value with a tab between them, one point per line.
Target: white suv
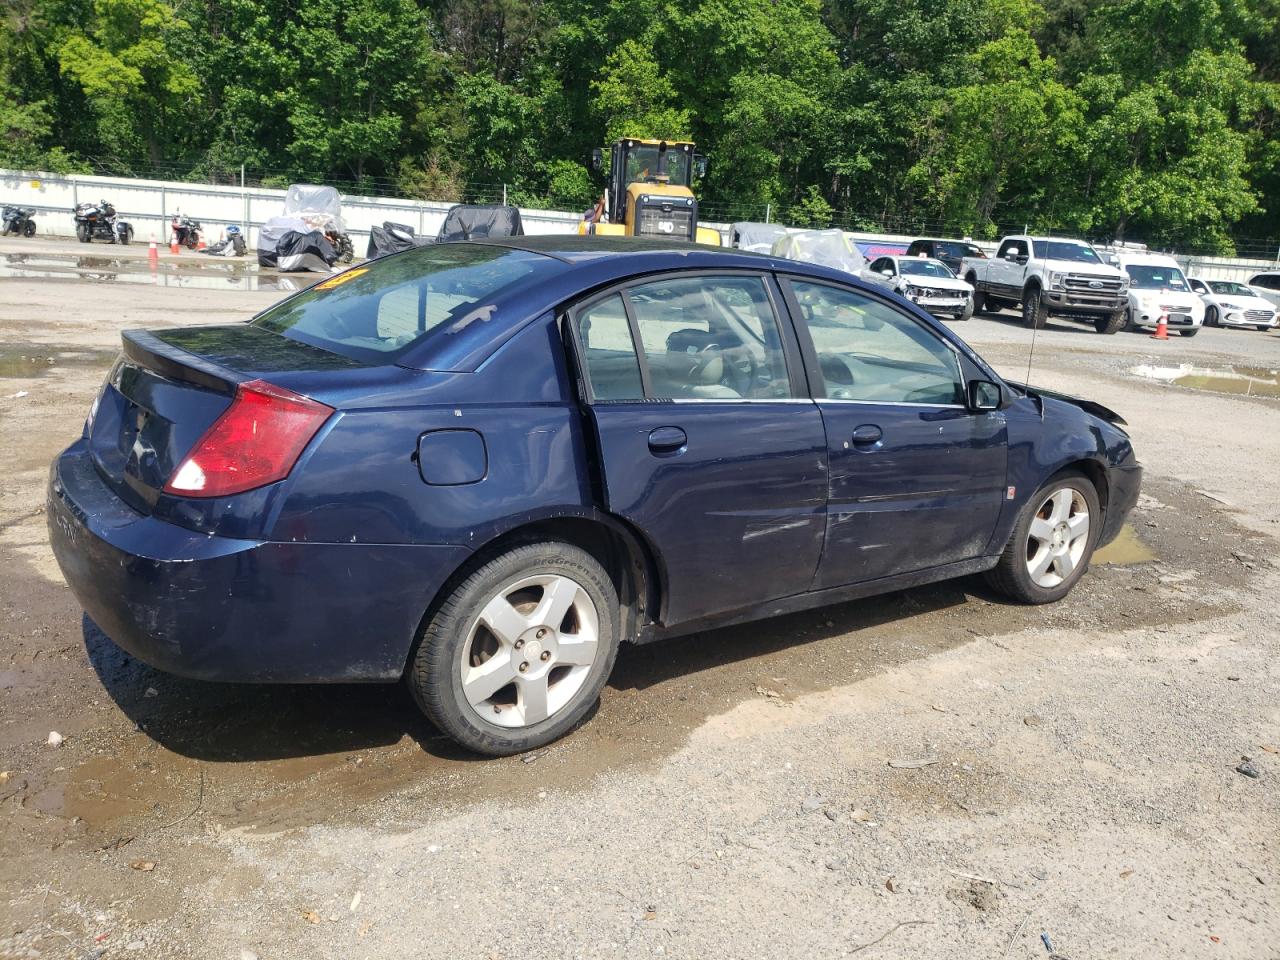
1158	287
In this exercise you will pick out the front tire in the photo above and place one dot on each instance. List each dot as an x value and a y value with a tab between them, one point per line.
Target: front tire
83	233
1034	312
1192	331
980	304
29	229
1110	323
1052	542
1211	317
518	653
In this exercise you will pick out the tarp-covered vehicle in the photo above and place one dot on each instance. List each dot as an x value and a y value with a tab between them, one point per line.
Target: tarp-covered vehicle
305	251
307	207
756	237
392	238
830	248
478	221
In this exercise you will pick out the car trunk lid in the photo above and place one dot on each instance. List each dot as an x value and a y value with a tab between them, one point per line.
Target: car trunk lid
169	387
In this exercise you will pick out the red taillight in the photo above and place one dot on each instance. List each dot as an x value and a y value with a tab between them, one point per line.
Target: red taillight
256	441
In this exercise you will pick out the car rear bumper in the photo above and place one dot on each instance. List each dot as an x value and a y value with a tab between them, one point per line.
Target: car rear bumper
1124	483
217	608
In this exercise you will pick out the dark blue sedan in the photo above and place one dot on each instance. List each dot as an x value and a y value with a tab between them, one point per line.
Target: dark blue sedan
483	466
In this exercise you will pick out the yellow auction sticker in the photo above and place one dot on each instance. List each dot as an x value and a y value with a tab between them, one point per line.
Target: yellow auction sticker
341	278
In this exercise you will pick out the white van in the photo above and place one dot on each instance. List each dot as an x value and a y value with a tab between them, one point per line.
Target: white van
1157	286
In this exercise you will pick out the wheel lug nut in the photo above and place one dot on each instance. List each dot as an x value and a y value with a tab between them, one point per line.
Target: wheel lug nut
546	654
519	644
541	634
524	666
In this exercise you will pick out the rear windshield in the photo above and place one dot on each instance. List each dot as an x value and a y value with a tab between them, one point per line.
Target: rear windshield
377	312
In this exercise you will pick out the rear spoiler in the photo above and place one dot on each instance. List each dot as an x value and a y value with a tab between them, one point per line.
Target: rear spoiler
174	363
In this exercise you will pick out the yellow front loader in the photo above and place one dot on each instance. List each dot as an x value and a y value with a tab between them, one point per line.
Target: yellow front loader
649	193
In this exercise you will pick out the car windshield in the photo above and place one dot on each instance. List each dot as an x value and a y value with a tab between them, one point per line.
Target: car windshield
1064	250
958	249
1145	276
1230	287
642	162
925	268
376	312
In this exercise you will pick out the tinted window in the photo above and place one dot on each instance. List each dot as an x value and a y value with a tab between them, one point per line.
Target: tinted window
869	351
611	361
1230	287
710	338
884	263
377	312
1271	281
957	249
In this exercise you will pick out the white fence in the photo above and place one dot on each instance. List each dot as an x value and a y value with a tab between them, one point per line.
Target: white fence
149	205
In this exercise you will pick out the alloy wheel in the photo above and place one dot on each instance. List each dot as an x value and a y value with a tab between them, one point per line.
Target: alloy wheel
1058	537
530	650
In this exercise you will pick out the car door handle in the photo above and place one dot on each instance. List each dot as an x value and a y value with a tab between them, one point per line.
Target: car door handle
867	434
667	440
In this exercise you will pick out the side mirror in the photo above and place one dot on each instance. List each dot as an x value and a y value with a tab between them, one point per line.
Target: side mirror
1012	256
1113	260
888	273
699	165
984	396
597	159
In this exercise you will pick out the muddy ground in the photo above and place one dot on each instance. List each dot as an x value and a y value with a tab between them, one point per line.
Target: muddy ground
733	795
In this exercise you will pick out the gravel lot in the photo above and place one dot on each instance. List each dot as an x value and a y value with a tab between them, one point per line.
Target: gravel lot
734	794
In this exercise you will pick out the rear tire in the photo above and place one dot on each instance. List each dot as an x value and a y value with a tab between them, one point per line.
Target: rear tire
1034	313
1014	575
29	229
1109	323
550	607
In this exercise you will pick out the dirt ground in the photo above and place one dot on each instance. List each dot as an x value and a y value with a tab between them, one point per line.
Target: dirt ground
736	794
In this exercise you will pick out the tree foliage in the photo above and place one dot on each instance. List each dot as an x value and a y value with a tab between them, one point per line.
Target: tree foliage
1143	119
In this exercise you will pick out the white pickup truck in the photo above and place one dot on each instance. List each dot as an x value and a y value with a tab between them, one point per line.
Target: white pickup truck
1049	276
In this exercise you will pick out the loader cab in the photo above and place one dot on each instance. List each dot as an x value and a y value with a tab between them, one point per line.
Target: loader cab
650	190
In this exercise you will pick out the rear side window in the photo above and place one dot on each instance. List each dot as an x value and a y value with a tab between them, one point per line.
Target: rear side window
377	312
612	367
869	351
700	338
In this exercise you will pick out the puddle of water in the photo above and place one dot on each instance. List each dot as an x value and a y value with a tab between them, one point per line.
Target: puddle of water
26	361
1243	380
1125	549
203	274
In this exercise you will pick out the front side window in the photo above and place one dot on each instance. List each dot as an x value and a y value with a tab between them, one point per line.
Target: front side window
700	338
1017	247
869	351
1230	288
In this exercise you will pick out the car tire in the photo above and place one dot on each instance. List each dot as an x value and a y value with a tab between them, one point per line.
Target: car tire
500	611
1034	313
1015	575
1211	317
1190	331
980	304
967	312
1109	323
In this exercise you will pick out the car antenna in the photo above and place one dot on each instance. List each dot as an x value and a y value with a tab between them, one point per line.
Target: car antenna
1031	353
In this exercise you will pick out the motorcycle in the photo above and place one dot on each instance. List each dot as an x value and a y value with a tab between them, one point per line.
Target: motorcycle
99	220
236	237
342	244
17	220
186	230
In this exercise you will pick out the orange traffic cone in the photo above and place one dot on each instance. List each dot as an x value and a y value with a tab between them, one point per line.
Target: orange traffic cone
200	244
153	255
1162	328
173	243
